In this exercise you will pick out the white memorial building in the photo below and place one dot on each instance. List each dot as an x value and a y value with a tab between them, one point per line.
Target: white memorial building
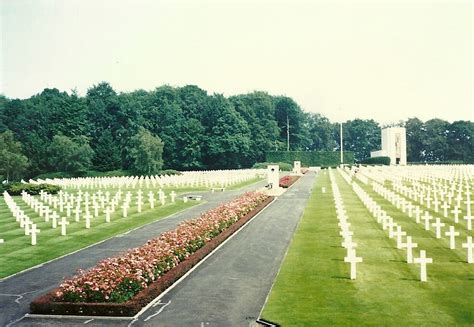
394	145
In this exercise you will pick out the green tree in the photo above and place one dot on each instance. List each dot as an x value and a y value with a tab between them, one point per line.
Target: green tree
435	140
146	152
104	114
414	133
107	157
227	136
12	162
70	154
461	141
257	109
360	136
321	132
291	122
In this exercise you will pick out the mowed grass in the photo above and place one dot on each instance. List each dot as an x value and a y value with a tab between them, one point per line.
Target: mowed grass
313	286
17	253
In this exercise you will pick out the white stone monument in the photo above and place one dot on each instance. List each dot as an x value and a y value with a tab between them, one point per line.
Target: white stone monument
297	168
273	181
394	145
273	176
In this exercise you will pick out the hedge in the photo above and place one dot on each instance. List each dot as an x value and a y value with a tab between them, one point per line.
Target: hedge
33	189
376	161
283	165
311	158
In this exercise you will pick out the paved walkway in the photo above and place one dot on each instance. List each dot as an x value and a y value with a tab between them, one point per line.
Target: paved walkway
229	288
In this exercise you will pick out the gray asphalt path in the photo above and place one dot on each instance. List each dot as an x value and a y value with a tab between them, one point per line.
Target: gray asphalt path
17	292
228	289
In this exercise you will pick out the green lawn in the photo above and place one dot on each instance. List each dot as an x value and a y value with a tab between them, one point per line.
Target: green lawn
313	286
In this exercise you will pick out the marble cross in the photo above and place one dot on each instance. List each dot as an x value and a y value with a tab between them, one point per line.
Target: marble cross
452	237
423	260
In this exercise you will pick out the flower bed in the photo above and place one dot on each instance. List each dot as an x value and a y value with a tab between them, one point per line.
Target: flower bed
122	285
287	181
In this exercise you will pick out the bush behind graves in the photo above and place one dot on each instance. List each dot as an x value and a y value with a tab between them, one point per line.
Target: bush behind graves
33	189
170	172
283	165
376	161
310	158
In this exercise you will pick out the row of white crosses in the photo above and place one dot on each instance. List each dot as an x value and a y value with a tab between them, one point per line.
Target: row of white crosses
394	231
415	211
441	202
449	175
64	202
44	211
344	225
447	190
212	178
25	222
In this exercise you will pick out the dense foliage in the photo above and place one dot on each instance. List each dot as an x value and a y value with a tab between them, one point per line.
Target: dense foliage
105	130
33	189
376	161
284	166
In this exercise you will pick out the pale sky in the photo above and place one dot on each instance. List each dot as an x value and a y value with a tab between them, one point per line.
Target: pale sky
386	60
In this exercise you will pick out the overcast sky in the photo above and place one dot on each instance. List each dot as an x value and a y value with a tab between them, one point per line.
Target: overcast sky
386	60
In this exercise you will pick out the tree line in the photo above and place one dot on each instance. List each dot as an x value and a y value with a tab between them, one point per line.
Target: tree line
185	128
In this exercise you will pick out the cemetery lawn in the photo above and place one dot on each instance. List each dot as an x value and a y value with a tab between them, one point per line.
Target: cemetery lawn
313	286
17	253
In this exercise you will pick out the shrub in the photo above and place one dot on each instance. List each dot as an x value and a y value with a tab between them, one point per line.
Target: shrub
33	189
170	172
376	161
283	165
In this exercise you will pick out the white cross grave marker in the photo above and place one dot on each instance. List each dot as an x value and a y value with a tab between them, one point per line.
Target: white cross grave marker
353	260
452	237
469	245
399	234
88	217
456	213
426	217
445	207
423	260
63	224
173	196
33	232
409	245
469	219
54	218
124	209
68	207
78	212
151	199
437	225
108	211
